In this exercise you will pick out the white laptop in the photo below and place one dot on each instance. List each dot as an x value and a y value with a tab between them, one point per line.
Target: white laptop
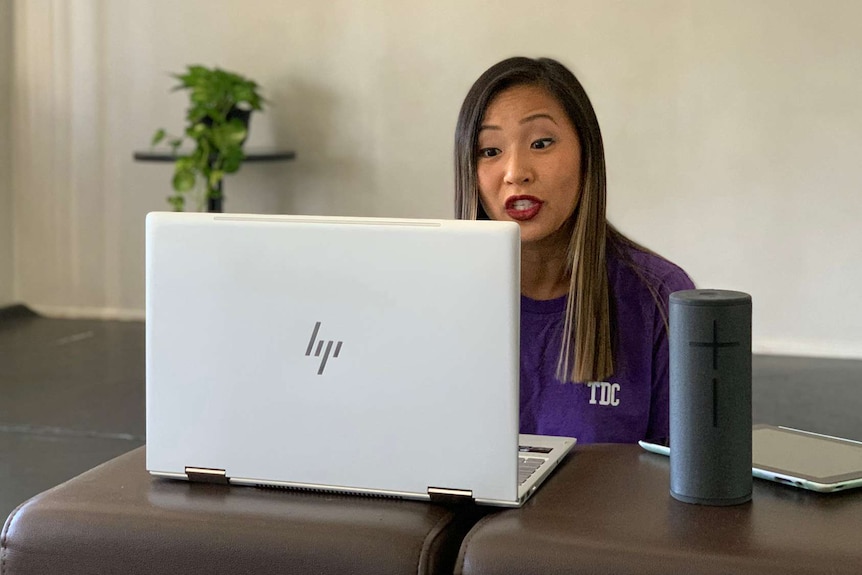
359	355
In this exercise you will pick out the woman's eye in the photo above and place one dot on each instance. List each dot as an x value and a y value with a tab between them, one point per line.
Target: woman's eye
488	152
542	144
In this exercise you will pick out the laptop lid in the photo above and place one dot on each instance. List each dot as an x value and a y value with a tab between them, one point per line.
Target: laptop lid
359	354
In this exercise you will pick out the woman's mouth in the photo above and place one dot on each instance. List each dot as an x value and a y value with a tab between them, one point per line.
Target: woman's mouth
523	208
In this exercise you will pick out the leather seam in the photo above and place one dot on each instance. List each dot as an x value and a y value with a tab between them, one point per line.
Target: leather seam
465	545
4	537
424	550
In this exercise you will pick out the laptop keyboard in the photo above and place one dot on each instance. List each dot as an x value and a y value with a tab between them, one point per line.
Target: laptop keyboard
527	466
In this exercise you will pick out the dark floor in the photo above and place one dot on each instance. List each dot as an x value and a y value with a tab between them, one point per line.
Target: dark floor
72	396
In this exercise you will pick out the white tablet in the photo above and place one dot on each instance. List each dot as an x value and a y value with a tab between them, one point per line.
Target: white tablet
800	458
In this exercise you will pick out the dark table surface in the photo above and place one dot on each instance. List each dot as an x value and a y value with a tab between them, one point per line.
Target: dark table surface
607	509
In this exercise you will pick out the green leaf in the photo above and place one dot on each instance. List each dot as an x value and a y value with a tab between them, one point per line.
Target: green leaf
215	177
184	164
177	201
232	161
243	93
232	133
158	137
196	131
184	180
202	154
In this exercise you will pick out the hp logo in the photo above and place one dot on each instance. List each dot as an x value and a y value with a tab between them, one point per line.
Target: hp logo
319	348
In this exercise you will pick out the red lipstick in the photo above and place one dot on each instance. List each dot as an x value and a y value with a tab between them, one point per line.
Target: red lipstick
523	208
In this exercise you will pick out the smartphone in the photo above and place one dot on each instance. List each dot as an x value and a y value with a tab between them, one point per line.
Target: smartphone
799	458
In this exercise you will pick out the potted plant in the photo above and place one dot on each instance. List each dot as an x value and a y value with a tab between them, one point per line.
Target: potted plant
217	120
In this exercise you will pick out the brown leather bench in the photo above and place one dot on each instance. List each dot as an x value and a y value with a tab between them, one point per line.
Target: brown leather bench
607	509
116	518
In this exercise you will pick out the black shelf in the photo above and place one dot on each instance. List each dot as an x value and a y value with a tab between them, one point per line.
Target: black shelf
252	155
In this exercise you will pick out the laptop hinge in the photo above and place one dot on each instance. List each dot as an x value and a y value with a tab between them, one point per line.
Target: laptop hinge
450	496
207	475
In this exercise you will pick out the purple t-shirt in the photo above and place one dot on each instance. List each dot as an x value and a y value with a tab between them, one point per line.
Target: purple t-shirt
632	404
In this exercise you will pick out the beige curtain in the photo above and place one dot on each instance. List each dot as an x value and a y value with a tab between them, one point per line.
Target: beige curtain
64	223
7	288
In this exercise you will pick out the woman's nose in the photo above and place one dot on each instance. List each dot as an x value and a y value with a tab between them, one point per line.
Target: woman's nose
518	169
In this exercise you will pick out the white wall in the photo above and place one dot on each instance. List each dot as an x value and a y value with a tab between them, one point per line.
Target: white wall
6	266
733	131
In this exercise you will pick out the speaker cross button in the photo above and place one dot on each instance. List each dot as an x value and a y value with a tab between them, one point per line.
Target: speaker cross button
714	344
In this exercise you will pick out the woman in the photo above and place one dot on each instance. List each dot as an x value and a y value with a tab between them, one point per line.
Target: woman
594	344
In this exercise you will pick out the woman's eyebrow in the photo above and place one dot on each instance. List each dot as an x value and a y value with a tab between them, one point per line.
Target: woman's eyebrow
530	118
534	117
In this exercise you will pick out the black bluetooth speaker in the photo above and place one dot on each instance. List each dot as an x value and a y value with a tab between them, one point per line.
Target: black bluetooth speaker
710	397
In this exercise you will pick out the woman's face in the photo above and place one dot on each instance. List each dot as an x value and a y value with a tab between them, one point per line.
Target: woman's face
529	163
